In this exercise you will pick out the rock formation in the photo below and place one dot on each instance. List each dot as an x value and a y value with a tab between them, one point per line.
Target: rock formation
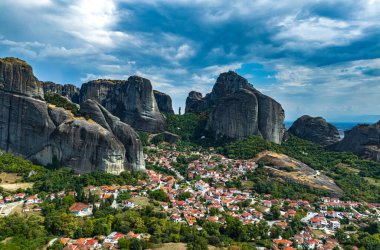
166	137
195	103
363	140
124	133
43	132
69	91
285	168
132	101
164	102
315	129
237	110
17	76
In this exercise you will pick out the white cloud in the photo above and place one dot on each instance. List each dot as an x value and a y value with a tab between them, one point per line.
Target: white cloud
317	32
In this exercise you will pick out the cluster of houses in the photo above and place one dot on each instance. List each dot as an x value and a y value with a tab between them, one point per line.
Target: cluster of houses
204	193
101	242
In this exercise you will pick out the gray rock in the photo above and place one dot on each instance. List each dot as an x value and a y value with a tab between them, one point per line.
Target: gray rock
164	102
237	110
42	132
87	147
271	118
132	101
17	76
69	91
58	115
195	103
235	116
125	133
363	140
25	125
168	137
315	129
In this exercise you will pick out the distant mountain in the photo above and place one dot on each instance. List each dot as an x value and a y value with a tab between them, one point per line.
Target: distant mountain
356	119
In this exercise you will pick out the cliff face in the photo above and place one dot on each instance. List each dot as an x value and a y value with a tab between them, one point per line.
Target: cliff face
132	101
195	103
17	76
164	102
237	110
124	133
363	140
315	129
69	91
41	132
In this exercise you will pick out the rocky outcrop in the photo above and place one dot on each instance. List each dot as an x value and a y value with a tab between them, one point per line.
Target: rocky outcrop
237	110
235	116
17	76
45	133
132	101
287	169
164	102
315	129
195	103
166	137
124	133
363	140
69	91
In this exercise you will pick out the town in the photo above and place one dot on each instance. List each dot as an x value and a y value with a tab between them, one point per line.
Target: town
206	189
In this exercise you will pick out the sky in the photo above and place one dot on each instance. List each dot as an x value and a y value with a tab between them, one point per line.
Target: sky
320	58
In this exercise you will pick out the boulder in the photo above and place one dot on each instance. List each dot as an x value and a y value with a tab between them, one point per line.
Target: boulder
315	129
363	140
164	102
166	137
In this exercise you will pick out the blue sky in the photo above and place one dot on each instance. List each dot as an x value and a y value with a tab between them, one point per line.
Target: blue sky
314	57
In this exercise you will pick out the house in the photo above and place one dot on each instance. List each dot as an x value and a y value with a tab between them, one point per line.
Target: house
33	200
81	209
165	206
114	237
318	222
267	203
9	199
128	204
246	216
19	196
132	235
334	224
283	242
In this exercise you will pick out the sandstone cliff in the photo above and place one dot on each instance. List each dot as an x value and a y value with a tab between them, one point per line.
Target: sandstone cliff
315	129
237	110
132	101
363	140
41	132
164	102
